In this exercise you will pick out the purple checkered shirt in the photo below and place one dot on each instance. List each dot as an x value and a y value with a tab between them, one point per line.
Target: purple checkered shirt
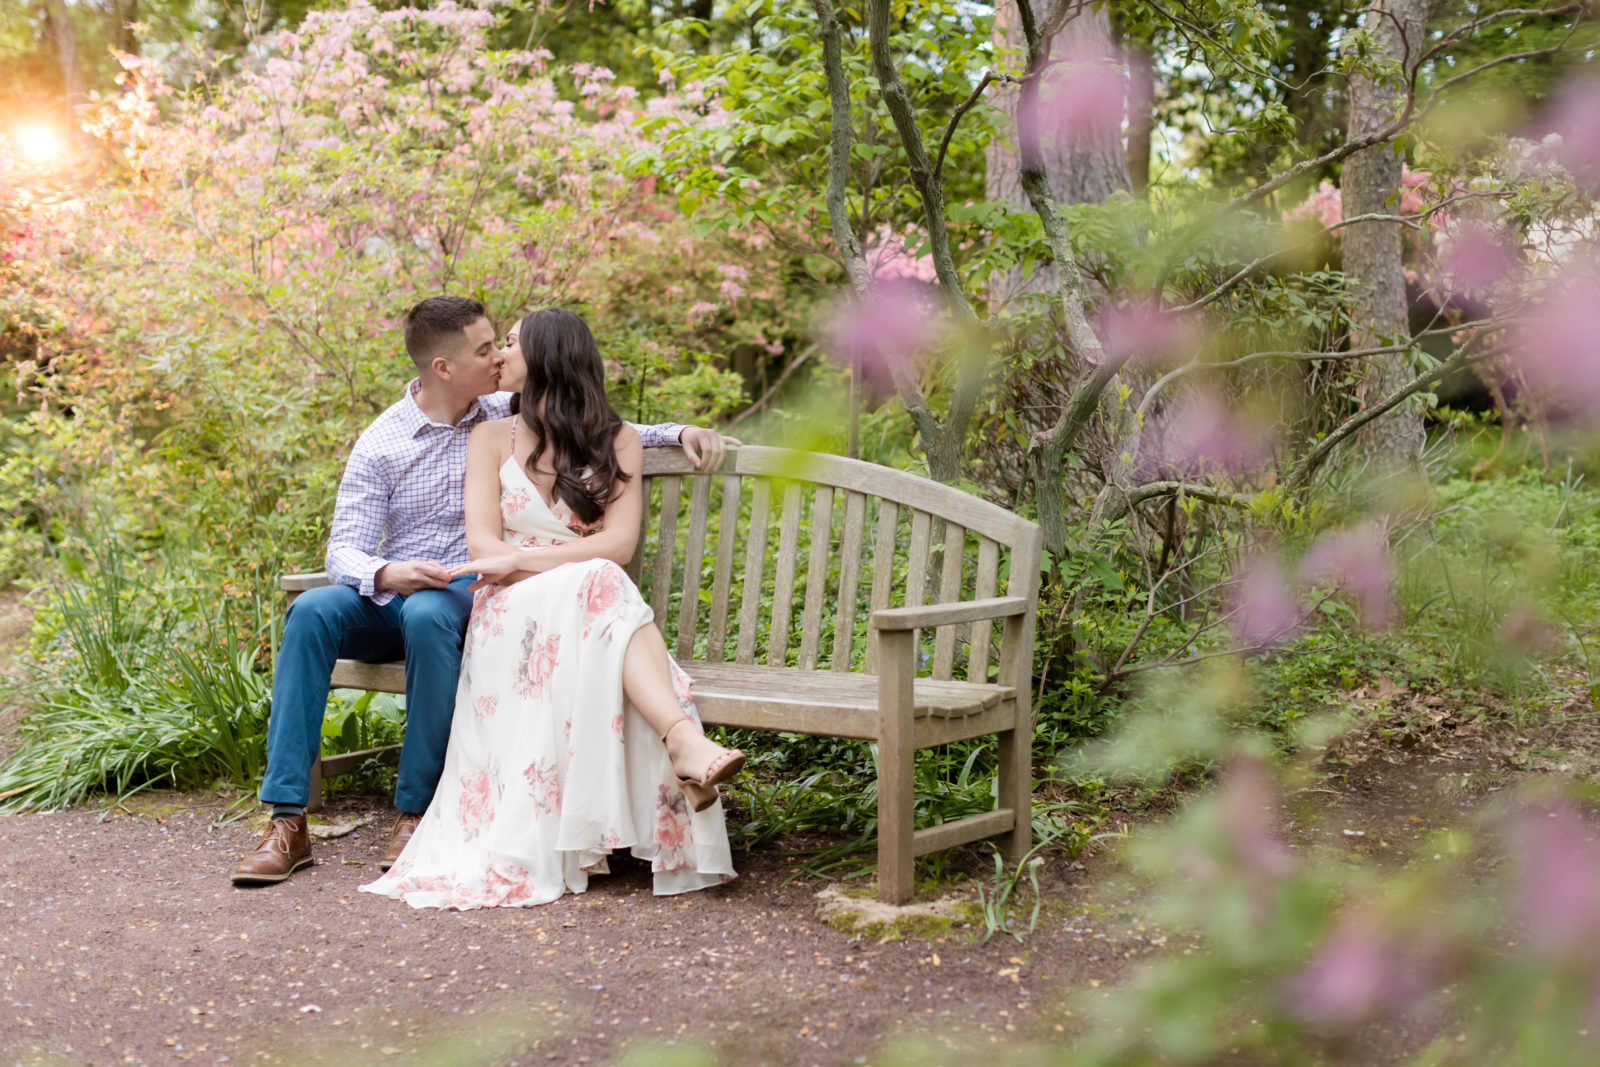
403	488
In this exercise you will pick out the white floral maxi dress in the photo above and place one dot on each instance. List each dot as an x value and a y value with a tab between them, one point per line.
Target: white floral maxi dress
548	769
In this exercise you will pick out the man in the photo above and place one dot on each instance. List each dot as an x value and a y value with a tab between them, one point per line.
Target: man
401	495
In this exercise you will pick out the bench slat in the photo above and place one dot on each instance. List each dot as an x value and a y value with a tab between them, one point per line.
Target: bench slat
844	628
955	553
816	575
694	556
882	570
722	576
960	831
635	567
755	556
666	549
377	677
783	580
781	698
982	631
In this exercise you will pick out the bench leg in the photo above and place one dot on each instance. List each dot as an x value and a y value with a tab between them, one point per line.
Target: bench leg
897	756
314	802
1016	791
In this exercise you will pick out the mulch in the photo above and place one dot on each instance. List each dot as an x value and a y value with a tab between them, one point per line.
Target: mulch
123	941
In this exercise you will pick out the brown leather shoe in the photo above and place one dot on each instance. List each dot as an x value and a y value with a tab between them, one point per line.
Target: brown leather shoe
283	849
404	826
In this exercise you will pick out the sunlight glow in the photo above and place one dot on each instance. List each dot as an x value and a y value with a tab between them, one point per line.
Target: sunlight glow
39	143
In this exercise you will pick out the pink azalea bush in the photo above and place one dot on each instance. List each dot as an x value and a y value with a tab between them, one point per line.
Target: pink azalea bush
214	319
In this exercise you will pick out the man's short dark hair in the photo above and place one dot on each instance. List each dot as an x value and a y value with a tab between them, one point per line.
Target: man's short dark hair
436	321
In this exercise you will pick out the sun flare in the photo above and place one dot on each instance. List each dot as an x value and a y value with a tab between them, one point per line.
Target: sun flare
38	142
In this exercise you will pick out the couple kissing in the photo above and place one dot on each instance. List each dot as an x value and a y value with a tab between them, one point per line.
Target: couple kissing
484	541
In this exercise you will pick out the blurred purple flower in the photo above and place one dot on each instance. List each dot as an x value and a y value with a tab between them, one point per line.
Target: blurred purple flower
1082	96
1138	331
1248	801
1358	975
1356	560
1575	119
1264	612
1557	352
1205	435
1475	257
891	324
1558	891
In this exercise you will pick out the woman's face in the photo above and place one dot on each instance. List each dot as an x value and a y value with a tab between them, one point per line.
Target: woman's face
515	371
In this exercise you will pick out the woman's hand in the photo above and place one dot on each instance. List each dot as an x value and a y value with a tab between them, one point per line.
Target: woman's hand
493	570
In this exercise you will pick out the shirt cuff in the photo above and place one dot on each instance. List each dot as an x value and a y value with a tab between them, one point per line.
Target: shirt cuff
366	577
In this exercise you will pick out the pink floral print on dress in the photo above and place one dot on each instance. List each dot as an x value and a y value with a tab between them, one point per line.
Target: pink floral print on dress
599	595
512	501
546	787
477	802
673	834
539	654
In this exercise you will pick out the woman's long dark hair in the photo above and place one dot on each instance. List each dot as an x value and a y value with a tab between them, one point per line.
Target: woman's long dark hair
578	424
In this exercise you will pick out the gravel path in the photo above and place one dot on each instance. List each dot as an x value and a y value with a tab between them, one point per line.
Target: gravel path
122	941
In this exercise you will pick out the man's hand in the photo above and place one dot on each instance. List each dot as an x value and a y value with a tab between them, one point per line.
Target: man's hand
705	448
408	576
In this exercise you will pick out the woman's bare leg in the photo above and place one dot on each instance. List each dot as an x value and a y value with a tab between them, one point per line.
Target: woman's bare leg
647	683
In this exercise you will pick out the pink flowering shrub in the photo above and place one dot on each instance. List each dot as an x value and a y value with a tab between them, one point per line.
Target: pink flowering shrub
230	292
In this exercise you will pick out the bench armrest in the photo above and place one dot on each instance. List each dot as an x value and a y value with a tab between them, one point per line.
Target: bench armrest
299	583
995	607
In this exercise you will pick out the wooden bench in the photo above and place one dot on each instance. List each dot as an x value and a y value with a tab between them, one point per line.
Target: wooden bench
793	588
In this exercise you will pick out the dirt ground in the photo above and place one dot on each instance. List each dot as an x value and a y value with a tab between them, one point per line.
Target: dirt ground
122	940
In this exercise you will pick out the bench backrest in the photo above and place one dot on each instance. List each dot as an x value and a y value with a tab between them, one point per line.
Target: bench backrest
781	555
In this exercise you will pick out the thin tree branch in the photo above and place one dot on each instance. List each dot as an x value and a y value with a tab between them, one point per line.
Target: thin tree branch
955	120
1210	494
1302	472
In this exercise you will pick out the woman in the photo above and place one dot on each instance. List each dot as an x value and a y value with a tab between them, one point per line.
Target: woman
567	692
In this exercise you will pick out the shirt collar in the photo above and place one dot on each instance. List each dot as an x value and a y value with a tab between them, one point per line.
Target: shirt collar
417	420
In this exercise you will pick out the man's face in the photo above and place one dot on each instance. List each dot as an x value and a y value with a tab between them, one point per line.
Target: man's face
515	370
474	367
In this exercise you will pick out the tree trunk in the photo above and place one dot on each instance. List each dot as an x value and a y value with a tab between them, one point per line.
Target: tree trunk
1141	114
59	28
1370	184
1081	170
126	12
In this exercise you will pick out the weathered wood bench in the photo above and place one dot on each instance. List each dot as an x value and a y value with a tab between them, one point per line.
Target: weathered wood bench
936	560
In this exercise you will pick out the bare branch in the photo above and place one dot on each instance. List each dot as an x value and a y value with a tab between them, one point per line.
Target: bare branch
1210	494
1302	472
955	120
1196	365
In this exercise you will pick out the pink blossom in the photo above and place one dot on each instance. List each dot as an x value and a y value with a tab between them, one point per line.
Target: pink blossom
701	310
1083	97
731	290
1358	561
1359	975
1264	611
1205	435
1247	801
1138	330
1575	119
888	259
1556	349
891	325
1475	257
1558	883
